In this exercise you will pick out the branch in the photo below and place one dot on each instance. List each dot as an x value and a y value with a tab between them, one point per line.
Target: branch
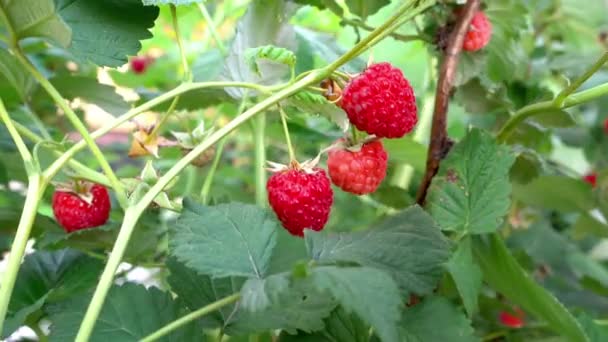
440	143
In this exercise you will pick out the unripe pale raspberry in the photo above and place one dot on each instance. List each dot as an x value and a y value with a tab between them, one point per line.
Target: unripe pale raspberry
300	199
479	33
358	172
381	101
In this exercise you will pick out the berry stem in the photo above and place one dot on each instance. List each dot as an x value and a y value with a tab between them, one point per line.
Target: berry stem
259	135
292	154
180	44
211	173
191	317
561	97
541	107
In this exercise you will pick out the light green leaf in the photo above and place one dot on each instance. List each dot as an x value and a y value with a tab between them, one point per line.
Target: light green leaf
173	2
436	320
409	246
49	277
106	32
14	74
289	250
365	8
271	53
406	151
130	312
37	18
257	294
596	332
556	192
315	104
466	274
313	44
554	118
224	240
368	292
502	272
471	190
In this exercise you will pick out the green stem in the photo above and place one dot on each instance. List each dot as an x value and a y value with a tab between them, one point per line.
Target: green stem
211	173
191	317
80	127
180	44
541	107
260	159
38	123
354	134
164	118
181	89
292	153
211	27
561	97
396	36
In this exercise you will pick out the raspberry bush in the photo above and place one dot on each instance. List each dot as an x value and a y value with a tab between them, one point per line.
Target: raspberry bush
294	170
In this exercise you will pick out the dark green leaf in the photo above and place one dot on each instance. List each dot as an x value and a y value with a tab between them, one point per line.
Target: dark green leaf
314	104
555	192
409	246
174	2
466	274
49	277
289	250
528	165
369	293
435	320
470	193
224	240
15	75
106	32
502	272
340	326
130	313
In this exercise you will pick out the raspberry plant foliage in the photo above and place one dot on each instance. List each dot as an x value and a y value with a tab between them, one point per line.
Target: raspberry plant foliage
498	140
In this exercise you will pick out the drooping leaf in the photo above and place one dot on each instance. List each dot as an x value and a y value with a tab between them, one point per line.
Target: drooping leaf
276	31
502	272
466	274
37	18
46	277
471	190
130	313
365	8
409	246
224	240
106	32
368	292
436	319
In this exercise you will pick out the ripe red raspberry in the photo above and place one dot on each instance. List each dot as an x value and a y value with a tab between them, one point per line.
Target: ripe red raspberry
479	33
301	199
381	101
606	126
139	64
74	213
510	320
591	178
358	172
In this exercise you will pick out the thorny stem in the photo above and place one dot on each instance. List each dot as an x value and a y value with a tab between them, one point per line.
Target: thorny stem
28	215
78	125
292	153
191	317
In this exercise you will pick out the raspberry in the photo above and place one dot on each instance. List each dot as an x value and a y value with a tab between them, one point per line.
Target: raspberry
74	213
591	178
139	64
300	199
381	101
479	33
358	172
512	320
606	126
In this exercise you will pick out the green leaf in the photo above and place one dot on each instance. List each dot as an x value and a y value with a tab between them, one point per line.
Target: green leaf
471	190
555	192
46	277
555	118
436	319
313	44
288	251
275	31
257	294
224	240
466	274
87	89
502	272
130	313
271	53
365	8
315	104
409	246
15	75
106	32
369	293
37	18
528	165
340	326
596	332
173	2
406	151
208	65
